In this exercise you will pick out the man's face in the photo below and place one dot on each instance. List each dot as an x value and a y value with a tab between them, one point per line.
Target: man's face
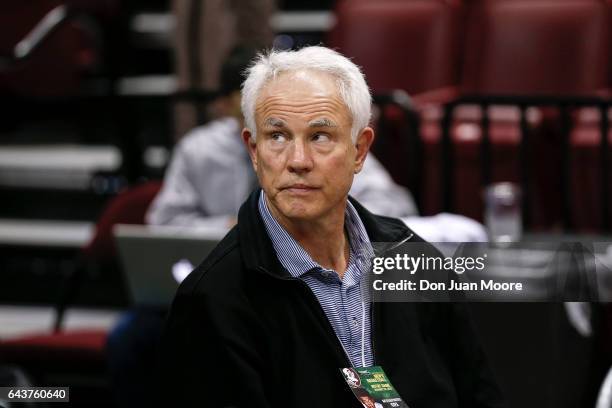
304	156
367	402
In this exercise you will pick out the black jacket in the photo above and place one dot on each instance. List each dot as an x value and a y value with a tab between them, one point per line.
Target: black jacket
243	333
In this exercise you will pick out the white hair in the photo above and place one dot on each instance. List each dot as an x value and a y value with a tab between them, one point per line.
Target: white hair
352	86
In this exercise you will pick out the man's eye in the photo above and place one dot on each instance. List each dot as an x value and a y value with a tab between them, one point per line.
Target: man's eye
320	138
277	137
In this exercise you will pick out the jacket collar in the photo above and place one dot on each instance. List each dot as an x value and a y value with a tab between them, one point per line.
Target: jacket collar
257	249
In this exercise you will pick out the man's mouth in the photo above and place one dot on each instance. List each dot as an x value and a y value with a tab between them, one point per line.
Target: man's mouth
299	188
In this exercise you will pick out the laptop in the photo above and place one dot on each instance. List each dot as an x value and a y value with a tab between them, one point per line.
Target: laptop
155	259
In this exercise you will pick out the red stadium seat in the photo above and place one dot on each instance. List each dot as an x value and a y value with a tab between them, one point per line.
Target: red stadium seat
80	351
65	56
401	44
523	48
529	47
128	207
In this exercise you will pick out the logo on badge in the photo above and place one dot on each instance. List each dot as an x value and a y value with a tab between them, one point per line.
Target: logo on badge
352	377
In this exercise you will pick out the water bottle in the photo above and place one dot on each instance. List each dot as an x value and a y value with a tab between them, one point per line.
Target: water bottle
503	213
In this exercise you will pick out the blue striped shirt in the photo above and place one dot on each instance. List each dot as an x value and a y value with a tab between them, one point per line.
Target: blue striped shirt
344	301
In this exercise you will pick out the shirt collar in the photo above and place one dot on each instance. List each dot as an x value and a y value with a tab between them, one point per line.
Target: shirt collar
291	254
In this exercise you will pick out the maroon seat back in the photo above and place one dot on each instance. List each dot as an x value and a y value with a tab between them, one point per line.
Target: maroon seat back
129	207
82	351
536	47
400	44
60	63
531	48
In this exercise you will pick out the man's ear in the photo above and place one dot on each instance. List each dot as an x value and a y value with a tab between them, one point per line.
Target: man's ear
362	144
251	146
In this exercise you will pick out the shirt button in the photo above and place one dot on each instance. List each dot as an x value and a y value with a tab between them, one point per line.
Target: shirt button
355	322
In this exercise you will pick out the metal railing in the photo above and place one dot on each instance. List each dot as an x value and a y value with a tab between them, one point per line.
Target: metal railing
564	105
411	144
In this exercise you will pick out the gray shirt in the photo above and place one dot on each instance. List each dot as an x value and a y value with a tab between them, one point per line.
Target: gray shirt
210	176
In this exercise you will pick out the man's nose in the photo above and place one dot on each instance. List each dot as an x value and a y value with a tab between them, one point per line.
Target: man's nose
300	158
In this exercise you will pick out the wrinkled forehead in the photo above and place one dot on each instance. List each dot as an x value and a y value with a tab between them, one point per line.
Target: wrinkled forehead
300	83
301	91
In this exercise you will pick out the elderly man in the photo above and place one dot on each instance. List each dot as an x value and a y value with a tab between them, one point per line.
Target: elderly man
210	174
277	310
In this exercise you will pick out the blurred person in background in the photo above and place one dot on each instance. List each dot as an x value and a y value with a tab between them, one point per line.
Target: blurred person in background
206	31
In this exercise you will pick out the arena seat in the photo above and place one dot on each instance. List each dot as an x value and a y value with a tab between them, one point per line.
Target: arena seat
79	352
411	45
523	49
